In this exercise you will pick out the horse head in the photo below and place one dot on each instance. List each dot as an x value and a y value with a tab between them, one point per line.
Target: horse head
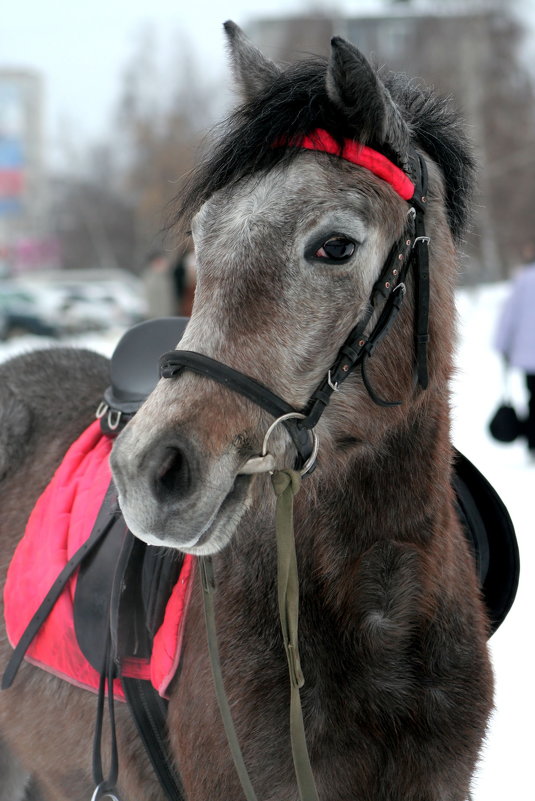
290	241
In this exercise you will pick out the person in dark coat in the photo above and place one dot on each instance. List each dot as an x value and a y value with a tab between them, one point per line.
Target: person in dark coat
515	338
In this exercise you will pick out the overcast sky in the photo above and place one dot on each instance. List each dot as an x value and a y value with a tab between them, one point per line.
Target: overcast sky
82	48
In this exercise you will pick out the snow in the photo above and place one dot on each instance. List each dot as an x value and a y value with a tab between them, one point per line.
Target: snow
505	768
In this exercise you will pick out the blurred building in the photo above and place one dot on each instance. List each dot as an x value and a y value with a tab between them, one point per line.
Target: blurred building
24	242
470	54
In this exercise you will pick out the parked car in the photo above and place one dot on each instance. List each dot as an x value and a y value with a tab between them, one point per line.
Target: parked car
21	313
88	300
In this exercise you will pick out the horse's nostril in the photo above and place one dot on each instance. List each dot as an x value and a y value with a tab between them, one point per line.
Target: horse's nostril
173	475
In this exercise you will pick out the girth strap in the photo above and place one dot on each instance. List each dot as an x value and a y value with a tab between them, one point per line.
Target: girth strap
149	711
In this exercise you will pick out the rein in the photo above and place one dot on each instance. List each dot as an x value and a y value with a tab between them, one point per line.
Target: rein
286	484
390	290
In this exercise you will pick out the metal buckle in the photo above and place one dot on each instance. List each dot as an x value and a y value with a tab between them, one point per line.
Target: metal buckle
334	386
425	239
114	418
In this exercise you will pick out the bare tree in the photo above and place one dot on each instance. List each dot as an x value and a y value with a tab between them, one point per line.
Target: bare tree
113	205
160	116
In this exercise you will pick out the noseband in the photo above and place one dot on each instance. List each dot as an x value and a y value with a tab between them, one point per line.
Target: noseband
410	250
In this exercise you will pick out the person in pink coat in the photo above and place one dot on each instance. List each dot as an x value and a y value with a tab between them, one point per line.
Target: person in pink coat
515	337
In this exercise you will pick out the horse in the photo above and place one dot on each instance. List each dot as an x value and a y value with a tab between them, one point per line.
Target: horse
295	210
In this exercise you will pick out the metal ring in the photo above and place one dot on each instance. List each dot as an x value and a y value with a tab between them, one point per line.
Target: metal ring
102	409
299	416
114	418
99	793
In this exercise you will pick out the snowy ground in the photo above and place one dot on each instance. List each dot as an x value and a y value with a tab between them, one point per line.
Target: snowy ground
505	771
506	763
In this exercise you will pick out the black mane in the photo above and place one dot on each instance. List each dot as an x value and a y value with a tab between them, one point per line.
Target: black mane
297	103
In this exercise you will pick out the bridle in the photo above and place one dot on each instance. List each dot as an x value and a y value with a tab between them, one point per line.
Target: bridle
386	299
410	250
389	290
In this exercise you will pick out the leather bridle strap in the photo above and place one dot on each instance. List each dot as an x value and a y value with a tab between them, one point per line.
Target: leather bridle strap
172	363
421	273
359	346
411	249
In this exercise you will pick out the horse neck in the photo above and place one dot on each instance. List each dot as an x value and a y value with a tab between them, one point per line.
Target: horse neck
398	490
392	490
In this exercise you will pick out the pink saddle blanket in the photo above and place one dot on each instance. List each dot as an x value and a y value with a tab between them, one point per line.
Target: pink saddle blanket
61	521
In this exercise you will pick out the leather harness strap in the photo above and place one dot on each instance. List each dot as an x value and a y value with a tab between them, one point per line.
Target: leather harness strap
209	587
149	711
286	484
421	268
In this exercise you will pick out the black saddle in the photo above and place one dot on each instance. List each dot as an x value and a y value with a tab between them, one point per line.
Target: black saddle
145	575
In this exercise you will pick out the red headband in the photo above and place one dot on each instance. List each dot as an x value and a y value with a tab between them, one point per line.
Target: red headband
357	154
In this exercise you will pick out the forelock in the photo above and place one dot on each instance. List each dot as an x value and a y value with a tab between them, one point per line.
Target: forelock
296	103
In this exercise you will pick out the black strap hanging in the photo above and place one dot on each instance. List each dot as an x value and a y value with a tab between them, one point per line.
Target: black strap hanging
105	786
421	273
150	715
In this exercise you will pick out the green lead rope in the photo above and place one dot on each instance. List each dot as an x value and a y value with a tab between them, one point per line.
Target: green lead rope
286	484
208	585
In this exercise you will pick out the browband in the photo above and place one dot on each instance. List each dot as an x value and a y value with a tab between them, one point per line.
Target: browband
356	153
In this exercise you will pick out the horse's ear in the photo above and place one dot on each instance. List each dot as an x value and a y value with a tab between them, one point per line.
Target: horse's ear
253	71
355	88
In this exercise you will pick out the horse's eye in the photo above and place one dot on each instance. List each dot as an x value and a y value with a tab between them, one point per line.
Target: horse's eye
337	248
